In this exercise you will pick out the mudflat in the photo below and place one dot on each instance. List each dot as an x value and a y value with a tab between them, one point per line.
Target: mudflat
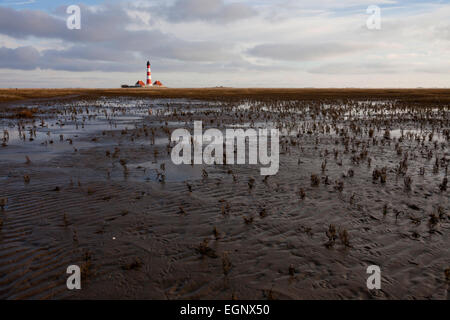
86	179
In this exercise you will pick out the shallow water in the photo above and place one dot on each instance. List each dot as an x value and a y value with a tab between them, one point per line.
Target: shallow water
106	203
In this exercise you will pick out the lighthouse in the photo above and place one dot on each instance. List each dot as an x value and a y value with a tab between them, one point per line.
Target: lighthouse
148	84
149	75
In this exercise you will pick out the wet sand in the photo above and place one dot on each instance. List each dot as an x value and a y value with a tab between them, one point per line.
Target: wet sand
102	198
223	93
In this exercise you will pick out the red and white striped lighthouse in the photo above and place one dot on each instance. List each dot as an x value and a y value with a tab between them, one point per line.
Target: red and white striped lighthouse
149	75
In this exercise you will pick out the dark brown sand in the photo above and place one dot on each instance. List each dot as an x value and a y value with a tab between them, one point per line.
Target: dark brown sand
100	204
411	95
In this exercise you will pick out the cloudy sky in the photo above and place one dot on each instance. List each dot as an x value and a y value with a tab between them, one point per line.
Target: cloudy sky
198	43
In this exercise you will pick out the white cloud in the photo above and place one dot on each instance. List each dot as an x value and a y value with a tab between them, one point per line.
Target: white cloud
248	43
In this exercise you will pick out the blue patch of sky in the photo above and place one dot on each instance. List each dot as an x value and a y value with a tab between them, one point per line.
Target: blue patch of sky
46	5
390	8
340	9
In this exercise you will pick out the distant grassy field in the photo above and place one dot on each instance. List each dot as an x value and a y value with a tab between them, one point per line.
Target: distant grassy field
412	95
